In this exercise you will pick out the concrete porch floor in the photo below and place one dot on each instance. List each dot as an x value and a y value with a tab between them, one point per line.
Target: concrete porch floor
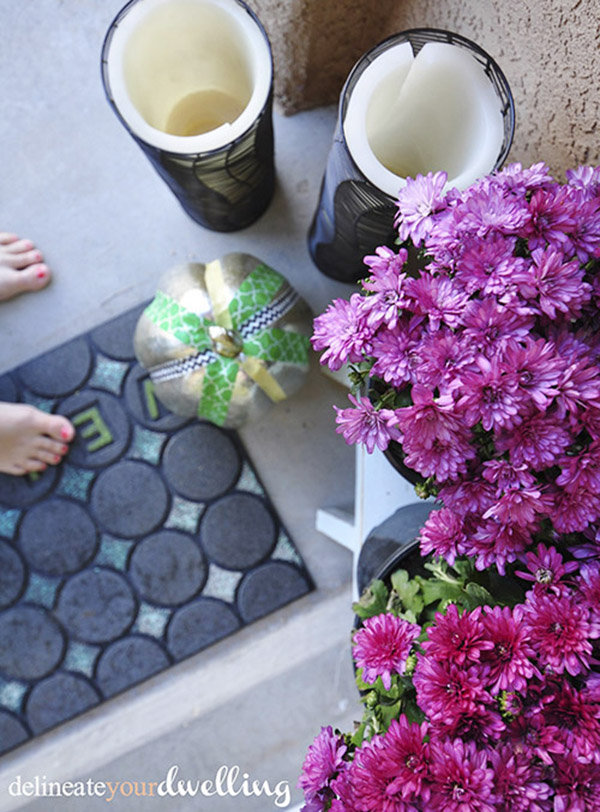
73	181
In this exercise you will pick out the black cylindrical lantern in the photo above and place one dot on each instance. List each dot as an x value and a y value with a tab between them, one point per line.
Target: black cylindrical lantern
421	101
192	82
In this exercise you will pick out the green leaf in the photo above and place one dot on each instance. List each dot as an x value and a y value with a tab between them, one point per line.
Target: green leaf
408	591
373	601
479	594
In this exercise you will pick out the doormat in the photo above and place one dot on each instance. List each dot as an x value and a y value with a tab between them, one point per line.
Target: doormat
153	539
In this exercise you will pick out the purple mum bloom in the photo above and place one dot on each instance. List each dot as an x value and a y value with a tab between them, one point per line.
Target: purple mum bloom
324	759
581	470
365	424
557	286
553	216
575	509
518	782
577	786
382	645
459	638
443	535
374	786
488	266
518	180
546	569
510	659
418	202
576	717
496	543
386	285
560	631
536	442
490	395
473	495
490	209
490	326
588	583
443	354
446	691
462	779
395	353
538	369
404	756
342	332
438	298
586	179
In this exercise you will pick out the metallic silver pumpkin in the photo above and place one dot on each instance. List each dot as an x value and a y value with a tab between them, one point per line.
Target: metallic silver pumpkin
224	340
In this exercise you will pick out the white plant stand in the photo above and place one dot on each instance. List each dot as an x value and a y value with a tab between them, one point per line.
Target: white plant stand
378	492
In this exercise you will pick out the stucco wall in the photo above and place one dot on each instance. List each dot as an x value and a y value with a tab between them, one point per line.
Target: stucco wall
548	49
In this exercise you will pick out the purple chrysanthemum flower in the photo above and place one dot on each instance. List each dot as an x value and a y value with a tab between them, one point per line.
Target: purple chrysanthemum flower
504	475
546	569
382	645
473	495
586	179
575	715
588	584
455	637
324	759
488	266
510	659
442	356
519	180
491	395
443	535
577	786
396	353
581	470
342	332
388	298
490	326
482	725
489	209
560	631
537	441
518	506
532	736
437	298
365	424
519	782
404	755
462	778
434	439
418	202
538	369
554	285
579	388
575	509
585	237
553	215
373	783
496	543
446	691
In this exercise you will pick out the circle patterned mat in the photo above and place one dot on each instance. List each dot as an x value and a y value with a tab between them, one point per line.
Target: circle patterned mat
152	540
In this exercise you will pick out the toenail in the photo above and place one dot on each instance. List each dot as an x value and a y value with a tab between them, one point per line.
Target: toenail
65	433
42	272
64	449
56	458
37	255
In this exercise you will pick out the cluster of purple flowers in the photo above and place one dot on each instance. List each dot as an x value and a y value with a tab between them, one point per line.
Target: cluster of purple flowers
486	357
509	703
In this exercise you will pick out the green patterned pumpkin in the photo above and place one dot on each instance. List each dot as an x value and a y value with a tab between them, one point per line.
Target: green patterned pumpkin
224	340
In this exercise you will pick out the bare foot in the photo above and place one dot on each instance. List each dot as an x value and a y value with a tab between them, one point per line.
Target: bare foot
21	266
31	439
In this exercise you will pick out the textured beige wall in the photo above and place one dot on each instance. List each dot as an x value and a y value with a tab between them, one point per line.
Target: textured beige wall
548	49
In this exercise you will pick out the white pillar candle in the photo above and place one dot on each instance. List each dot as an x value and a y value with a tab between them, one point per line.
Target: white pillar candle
410	115
189	76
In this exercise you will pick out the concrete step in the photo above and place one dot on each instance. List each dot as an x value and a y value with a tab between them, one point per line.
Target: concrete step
254	701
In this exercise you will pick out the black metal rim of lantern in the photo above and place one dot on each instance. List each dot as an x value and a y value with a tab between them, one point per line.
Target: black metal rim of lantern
244	166
347	196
